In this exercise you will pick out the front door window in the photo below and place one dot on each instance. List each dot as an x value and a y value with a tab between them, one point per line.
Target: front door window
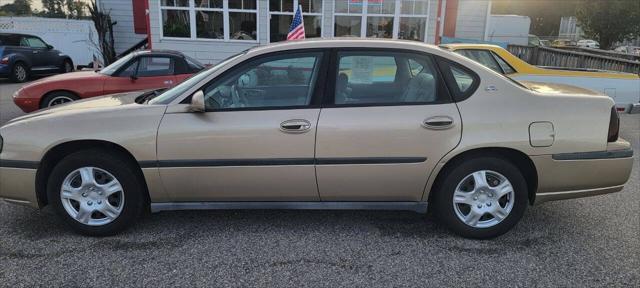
275	81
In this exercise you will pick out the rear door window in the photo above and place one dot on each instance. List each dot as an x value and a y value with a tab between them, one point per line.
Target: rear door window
381	78
483	57
503	64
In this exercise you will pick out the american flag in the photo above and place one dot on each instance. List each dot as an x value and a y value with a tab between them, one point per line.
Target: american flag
296	31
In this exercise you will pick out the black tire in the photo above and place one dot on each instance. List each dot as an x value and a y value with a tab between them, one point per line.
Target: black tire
57	98
19	72
444	204
132	189
67	66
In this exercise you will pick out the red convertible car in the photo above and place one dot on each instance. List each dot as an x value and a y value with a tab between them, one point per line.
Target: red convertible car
144	70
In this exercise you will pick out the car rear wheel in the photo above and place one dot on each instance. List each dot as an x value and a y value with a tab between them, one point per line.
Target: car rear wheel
67	66
19	73
58	98
481	197
96	193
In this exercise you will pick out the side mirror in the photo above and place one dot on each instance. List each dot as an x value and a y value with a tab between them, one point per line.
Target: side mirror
49	47
197	102
133	77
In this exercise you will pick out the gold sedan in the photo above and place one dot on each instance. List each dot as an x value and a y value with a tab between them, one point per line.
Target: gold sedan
324	124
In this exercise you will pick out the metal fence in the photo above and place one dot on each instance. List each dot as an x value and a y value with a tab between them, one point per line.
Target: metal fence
546	56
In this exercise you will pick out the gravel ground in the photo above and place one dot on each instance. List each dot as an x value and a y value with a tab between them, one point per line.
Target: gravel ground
590	242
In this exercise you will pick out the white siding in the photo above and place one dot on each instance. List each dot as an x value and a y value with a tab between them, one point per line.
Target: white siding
211	52
123	32
472	19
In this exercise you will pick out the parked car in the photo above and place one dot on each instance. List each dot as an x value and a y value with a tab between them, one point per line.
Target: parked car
563	43
534	40
143	70
321	124
588	43
22	56
629	50
624	88
545	43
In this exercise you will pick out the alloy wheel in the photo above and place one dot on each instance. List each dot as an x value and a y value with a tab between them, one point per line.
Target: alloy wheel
483	199
20	73
92	196
59	100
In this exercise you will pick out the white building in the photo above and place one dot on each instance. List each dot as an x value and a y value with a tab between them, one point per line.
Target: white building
211	30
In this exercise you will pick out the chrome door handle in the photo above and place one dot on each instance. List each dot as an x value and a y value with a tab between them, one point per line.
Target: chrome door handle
295	126
438	123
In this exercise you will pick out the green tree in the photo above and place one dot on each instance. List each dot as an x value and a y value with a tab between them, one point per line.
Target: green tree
54	8
17	8
75	9
609	21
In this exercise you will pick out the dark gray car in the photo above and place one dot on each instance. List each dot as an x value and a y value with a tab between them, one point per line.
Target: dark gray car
22	56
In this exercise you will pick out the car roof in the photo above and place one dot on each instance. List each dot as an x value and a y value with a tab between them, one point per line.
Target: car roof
17	34
346	43
160	53
455	46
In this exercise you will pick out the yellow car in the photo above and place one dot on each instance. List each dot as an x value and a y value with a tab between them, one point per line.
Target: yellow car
624	88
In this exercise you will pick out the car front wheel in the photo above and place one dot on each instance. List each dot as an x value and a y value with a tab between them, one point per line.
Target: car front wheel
481	197
57	98
95	192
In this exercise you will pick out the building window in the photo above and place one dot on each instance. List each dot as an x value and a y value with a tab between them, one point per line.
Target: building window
397	19
213	19
281	15
413	20
175	18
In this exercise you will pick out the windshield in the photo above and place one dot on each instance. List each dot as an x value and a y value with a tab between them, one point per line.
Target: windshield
171	94
109	70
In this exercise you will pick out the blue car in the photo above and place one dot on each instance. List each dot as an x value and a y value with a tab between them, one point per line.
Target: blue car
22	56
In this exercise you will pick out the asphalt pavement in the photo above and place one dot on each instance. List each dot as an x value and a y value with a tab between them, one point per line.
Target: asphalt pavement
589	242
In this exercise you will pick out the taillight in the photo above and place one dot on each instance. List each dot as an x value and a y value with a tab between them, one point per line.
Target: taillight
614	125
4	60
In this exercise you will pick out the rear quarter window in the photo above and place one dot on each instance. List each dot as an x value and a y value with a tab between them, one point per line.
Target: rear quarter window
461	81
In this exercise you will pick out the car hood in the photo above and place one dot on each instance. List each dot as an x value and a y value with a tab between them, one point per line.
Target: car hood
80	75
553	88
108	102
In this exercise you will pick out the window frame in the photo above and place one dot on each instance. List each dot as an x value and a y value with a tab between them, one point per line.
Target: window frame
137	58
319	89
491	57
292	14
444	66
397	16
329	96
497	57
172	60
192	9
26	39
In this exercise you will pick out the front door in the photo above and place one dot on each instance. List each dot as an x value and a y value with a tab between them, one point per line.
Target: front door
255	142
37	53
390	122
143	73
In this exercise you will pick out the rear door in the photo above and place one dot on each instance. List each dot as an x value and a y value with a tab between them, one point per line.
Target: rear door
143	73
390	121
